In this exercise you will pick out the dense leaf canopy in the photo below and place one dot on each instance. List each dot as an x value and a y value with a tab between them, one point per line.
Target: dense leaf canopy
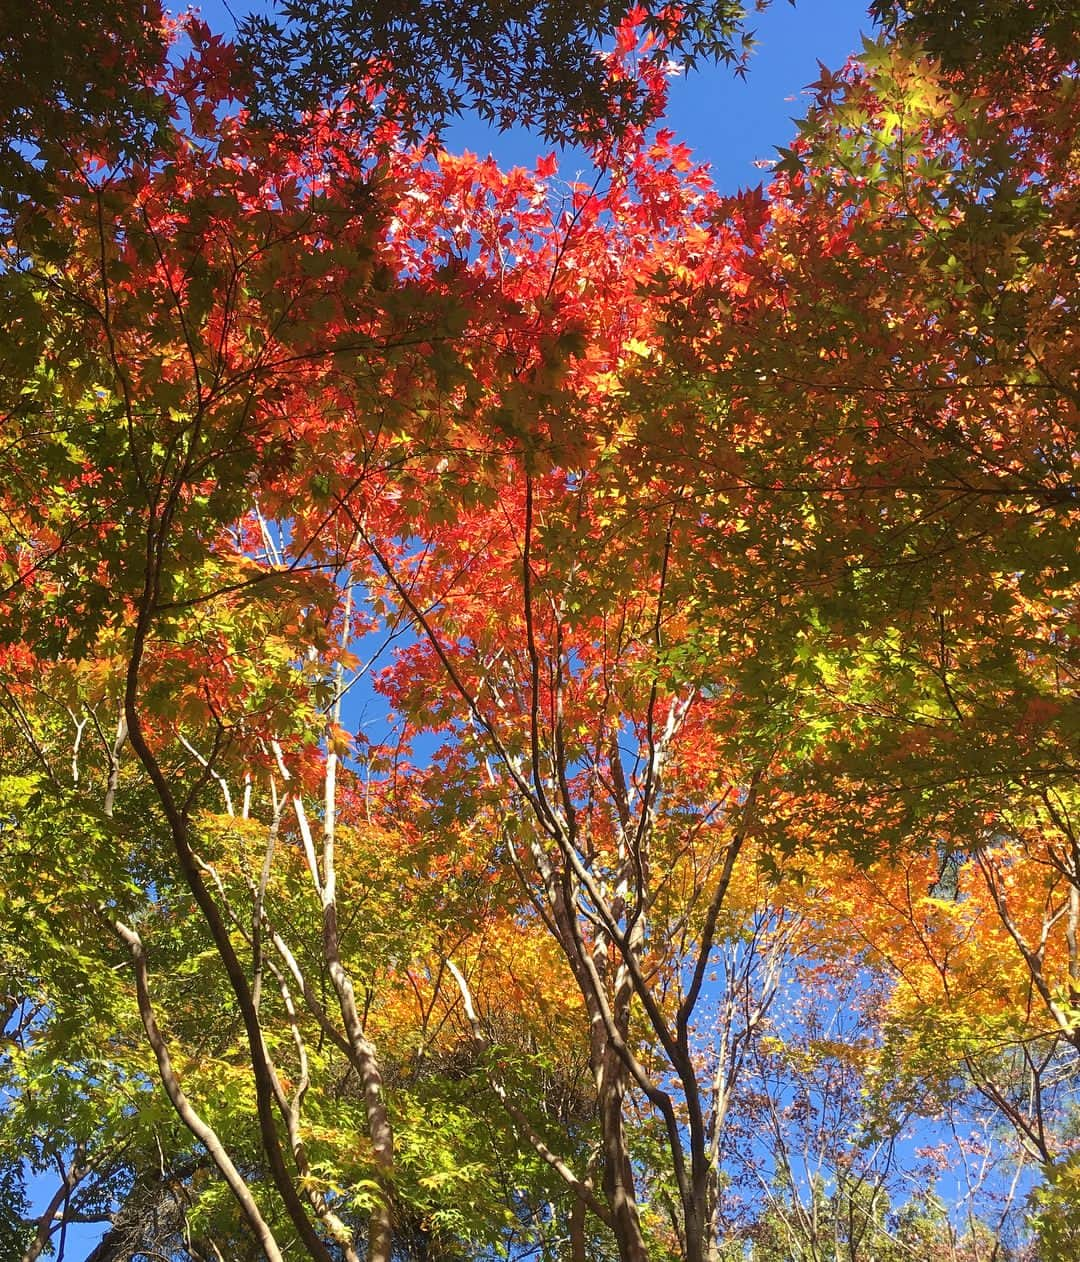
538	715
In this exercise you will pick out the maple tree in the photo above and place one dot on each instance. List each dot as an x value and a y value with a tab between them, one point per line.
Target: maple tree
970	36
713	559
513	61
935	444
72	71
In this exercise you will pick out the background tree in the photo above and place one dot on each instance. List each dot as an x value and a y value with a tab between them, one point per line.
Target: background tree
926	519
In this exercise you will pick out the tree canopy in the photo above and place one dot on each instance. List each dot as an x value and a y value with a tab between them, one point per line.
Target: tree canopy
539	714
512	61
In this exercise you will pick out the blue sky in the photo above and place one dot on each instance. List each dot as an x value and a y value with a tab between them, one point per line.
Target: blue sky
727	121
731	122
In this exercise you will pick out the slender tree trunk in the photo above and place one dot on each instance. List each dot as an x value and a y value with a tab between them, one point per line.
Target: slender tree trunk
362	1052
176	818
611	1082
577	1231
73	1176
618	1174
195	1124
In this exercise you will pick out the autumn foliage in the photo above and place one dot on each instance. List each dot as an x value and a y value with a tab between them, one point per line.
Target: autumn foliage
539	713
